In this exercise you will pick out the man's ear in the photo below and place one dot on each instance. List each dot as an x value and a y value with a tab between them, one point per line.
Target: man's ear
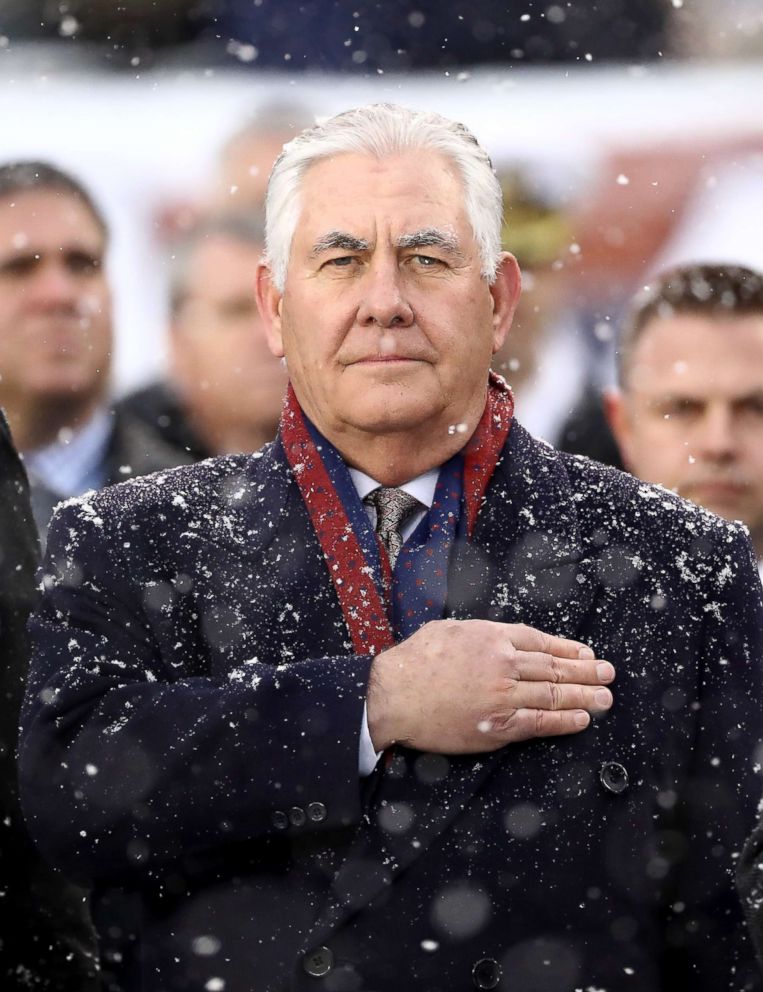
177	353
269	300
619	421
505	293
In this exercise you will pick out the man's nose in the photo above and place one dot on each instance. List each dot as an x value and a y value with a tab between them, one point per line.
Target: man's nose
383	300
54	286
717	432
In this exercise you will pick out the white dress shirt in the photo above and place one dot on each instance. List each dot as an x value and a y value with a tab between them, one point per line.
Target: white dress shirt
421	488
74	462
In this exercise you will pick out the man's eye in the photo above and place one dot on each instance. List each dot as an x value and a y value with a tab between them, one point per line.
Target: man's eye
21	265
751	406
343	262
244	308
80	262
428	261
673	409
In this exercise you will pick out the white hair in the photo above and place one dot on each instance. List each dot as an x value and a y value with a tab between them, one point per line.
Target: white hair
383	129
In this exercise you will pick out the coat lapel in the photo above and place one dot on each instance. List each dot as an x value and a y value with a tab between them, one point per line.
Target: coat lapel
525	564
263	590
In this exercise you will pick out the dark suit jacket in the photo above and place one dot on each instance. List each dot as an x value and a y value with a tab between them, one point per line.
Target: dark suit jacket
195	702
158	406
46	939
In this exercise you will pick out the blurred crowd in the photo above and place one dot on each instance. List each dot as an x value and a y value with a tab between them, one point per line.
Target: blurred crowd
639	336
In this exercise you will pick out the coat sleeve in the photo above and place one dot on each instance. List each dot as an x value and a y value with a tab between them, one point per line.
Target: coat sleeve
126	767
706	944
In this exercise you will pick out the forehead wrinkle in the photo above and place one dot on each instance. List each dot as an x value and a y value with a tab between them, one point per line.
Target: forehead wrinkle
431	237
339	239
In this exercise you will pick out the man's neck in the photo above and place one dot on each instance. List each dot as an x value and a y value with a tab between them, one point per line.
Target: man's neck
394	452
232	439
39	423
394	459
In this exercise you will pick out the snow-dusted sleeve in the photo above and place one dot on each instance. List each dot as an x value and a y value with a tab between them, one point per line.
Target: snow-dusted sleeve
125	766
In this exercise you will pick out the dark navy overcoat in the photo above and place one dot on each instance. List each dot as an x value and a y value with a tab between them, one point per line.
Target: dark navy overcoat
191	732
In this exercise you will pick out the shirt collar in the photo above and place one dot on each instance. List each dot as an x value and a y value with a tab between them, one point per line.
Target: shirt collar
74	462
422	487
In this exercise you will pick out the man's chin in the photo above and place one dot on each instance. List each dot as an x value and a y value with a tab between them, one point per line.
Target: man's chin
389	415
726	505
65	389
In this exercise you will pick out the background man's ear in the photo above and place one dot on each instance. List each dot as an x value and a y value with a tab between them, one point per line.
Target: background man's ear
269	301
177	352
505	292
619	423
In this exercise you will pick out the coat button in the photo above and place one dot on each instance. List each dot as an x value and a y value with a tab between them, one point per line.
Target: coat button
317	812
280	820
613	777
319	962
297	816
486	974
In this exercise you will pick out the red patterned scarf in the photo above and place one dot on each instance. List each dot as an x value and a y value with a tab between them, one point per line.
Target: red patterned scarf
363	605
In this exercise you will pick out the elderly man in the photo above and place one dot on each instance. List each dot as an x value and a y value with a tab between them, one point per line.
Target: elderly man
56	338
327	708
689	410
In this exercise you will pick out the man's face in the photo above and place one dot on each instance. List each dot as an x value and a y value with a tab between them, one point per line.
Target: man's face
55	309
691	416
386	323
222	363
244	171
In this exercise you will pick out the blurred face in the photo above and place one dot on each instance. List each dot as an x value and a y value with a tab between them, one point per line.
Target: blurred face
385	321
244	171
55	308
691	416
222	364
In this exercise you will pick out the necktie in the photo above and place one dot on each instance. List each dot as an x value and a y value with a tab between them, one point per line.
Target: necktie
393	508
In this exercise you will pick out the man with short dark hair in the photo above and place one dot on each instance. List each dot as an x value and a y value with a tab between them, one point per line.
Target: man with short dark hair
328	708
56	341
688	412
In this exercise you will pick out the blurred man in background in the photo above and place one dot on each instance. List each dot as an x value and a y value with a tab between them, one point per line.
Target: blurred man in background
245	160
225	389
689	409
56	339
238	179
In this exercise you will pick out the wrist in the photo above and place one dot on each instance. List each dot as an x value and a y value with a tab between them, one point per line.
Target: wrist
379	710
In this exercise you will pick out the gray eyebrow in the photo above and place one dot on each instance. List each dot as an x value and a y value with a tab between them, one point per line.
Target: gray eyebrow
338	239
427	237
431	237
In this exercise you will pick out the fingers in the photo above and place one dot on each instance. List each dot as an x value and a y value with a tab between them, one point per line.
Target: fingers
555	696
534	666
528	723
526	638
